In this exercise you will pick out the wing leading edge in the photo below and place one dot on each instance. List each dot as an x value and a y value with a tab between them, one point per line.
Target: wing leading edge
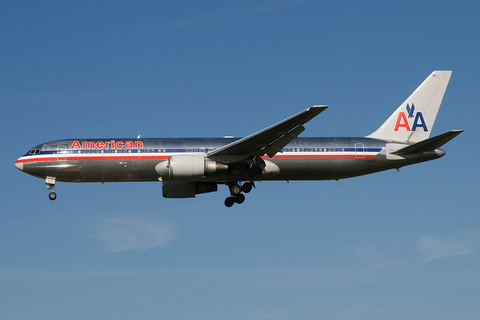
268	141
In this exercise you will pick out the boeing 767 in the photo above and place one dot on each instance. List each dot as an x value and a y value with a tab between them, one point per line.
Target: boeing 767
190	166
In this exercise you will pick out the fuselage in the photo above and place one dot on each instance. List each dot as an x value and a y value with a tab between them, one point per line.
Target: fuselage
114	160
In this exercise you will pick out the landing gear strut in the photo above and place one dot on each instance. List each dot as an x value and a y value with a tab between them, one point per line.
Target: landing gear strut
236	193
50	182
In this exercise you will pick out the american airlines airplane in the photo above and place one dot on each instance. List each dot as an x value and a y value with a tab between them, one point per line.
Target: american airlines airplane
190	166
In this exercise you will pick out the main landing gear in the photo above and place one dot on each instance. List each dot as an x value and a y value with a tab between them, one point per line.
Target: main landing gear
50	182
236	193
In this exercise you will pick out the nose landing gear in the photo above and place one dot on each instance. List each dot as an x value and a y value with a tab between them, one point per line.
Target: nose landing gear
50	182
236	193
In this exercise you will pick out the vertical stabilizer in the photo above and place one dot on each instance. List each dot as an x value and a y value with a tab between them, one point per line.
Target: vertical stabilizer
414	119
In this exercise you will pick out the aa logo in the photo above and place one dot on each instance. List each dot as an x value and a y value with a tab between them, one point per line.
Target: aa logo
402	121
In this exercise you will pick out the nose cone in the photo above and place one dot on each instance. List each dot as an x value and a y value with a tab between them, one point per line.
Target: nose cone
19	165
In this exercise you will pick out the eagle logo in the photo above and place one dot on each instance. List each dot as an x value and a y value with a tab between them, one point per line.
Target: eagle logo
410	110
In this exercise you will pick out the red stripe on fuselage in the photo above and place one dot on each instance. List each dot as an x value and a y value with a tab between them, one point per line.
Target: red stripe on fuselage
152	157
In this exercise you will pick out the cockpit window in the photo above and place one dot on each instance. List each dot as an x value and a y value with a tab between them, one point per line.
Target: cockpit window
34	151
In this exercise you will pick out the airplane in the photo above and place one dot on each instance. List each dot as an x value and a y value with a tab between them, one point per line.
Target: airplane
190	166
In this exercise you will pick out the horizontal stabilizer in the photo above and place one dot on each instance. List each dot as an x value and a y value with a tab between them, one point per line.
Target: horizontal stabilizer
429	144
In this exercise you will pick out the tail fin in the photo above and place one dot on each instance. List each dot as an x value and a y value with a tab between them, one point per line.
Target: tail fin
414	119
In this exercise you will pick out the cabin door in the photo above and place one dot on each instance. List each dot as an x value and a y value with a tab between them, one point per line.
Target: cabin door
62	152
359	150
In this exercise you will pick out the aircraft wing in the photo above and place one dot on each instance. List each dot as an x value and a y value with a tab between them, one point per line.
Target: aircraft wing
268	141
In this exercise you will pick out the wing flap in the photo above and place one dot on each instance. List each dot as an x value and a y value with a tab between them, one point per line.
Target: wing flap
278	144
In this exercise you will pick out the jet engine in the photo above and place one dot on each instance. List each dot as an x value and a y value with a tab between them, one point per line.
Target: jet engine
188	166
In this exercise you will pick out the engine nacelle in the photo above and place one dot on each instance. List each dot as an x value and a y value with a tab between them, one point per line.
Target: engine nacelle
188	166
186	189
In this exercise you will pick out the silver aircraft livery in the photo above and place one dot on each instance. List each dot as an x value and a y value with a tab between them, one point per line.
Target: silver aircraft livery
190	166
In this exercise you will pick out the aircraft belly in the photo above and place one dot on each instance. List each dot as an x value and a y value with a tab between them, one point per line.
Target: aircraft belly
327	169
99	170
309	169
74	171
119	170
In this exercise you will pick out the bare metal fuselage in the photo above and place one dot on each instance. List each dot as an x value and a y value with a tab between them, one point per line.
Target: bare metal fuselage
302	159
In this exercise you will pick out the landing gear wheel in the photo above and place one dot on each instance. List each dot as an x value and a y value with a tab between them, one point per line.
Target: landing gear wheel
52	196
240	198
247	187
229	201
235	190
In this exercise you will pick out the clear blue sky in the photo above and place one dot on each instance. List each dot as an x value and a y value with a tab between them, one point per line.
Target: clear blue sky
386	246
